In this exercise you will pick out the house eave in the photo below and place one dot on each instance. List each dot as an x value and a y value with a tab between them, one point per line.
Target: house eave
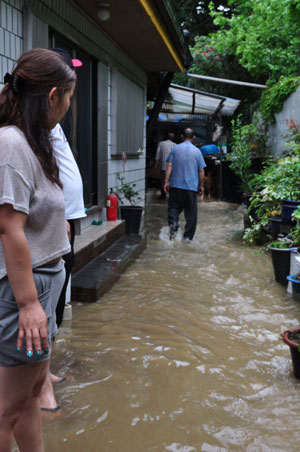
146	30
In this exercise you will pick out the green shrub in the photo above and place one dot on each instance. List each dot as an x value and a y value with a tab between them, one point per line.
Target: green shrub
272	98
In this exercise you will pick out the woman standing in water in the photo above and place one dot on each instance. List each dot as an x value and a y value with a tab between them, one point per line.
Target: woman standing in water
33	238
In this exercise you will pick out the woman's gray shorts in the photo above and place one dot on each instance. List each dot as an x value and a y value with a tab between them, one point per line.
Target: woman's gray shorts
49	282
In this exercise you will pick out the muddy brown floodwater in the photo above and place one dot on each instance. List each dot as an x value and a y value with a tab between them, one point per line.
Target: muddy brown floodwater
184	353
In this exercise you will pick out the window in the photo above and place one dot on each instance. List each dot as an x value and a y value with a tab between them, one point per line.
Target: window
127	115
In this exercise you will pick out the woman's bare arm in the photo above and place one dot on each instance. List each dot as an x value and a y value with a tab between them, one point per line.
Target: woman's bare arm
32	318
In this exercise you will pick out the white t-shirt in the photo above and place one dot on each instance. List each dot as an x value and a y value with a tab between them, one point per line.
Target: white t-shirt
69	175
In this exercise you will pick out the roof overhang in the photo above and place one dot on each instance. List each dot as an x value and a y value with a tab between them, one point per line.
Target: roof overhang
146	30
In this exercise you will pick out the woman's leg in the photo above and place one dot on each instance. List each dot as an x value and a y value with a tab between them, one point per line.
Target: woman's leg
47	396
20	414
69	262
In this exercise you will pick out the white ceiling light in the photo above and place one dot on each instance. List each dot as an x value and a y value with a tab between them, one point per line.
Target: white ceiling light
103	12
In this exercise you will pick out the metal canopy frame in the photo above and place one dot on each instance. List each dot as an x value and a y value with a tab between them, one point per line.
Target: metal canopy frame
191	102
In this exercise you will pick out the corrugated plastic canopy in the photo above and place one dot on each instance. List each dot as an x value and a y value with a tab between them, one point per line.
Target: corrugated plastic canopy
188	101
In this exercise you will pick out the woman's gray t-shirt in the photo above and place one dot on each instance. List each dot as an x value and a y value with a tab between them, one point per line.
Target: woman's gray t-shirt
24	185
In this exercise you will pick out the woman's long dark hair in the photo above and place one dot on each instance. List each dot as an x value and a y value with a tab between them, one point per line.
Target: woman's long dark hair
24	101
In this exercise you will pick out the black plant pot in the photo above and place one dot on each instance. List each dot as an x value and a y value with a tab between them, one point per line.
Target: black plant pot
291	338
275	225
280	226
132	216
287	208
281	264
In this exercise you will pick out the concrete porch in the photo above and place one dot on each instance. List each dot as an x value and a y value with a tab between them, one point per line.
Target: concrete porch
102	254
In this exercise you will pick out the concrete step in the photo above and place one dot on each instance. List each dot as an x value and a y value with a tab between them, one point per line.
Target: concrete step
94	240
96	278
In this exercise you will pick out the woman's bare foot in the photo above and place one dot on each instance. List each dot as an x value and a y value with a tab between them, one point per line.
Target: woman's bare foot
47	397
56	378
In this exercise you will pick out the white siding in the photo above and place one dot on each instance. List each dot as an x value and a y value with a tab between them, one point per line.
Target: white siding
11	35
67	18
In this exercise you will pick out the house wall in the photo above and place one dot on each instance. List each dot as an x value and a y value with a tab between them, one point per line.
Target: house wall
11	35
278	131
24	24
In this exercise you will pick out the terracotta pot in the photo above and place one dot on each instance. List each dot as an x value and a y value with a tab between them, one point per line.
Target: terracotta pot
294	346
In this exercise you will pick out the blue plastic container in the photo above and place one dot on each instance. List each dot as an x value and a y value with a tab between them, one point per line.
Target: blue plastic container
295	286
281	264
210	149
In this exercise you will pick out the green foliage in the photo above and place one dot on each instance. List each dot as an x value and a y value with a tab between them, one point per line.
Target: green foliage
292	144
296	214
295	10
128	190
289	241
248	142
295	236
284	243
193	15
252	235
272	98
279	180
263	34
253	40
209	60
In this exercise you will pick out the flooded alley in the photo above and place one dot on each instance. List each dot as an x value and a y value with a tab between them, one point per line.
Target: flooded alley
184	353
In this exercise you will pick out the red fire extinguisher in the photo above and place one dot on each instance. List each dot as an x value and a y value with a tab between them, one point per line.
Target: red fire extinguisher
111	206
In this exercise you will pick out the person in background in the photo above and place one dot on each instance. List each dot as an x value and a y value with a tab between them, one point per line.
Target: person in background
74	209
162	153
33	237
185	170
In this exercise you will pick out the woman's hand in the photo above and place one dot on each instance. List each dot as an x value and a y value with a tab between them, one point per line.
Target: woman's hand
33	325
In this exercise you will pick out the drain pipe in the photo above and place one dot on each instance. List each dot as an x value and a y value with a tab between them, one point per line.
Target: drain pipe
158	102
224	80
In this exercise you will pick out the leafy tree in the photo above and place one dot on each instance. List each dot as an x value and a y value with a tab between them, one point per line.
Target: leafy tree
263	34
208	60
253	40
194	15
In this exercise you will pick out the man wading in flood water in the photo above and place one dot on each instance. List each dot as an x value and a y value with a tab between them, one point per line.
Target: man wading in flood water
186	166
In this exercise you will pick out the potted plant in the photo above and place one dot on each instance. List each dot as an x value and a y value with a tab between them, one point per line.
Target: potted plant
292	339
247	148
296	215
280	254
131	213
276	194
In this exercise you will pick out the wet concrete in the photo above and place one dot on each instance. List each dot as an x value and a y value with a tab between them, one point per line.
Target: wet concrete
96	278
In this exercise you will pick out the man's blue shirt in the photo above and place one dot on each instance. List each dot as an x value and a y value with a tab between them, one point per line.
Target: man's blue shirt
186	161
